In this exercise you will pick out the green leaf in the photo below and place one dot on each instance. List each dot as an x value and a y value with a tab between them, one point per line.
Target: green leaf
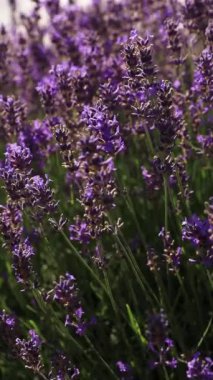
135	326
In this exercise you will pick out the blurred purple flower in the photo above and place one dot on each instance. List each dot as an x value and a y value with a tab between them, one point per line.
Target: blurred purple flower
125	371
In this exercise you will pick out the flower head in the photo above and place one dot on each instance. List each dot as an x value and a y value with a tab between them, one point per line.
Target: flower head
200	368
29	351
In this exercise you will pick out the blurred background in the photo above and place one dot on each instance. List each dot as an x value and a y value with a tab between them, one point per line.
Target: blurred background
24	6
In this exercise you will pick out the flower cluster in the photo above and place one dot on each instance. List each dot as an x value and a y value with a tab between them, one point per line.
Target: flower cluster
198	233
29	351
199	368
66	293
24	191
62	368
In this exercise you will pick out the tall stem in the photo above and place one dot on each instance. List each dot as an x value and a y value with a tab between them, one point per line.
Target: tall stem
101	358
165	203
83	262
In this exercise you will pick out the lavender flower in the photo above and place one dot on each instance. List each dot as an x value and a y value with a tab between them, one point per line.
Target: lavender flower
196	231
22	261
66	294
174	39
62	368
125	371
172	255
152	180
47	90
200	368
105	128
40	195
80	231
153	260
13	113
16	170
206	142
8	329
158	341
17	157
11	223
37	138
29	351
198	13
164	355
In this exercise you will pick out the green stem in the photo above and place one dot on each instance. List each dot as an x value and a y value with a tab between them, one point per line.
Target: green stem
177	216
42	375
149	141
83	262
131	209
146	283
165	373
101	358
115	308
136	270
205	333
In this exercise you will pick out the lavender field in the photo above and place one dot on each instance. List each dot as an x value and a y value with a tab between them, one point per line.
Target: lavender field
106	191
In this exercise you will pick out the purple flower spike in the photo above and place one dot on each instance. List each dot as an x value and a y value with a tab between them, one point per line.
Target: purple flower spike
22	261
66	294
80	232
29	351
159	344
17	156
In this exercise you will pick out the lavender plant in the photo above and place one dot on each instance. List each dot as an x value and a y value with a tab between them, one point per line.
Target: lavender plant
106	180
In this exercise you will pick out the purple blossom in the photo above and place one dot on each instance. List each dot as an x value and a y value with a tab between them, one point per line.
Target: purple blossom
8	328
152	180
164	356
62	368
200	368
206	142
11	222
105	128
157	330
159	344
40	194
29	351
13	114
125	371
153	261
15	183
171	253
47	90
17	157
66	294
197	232
80	232
23	253
37	138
